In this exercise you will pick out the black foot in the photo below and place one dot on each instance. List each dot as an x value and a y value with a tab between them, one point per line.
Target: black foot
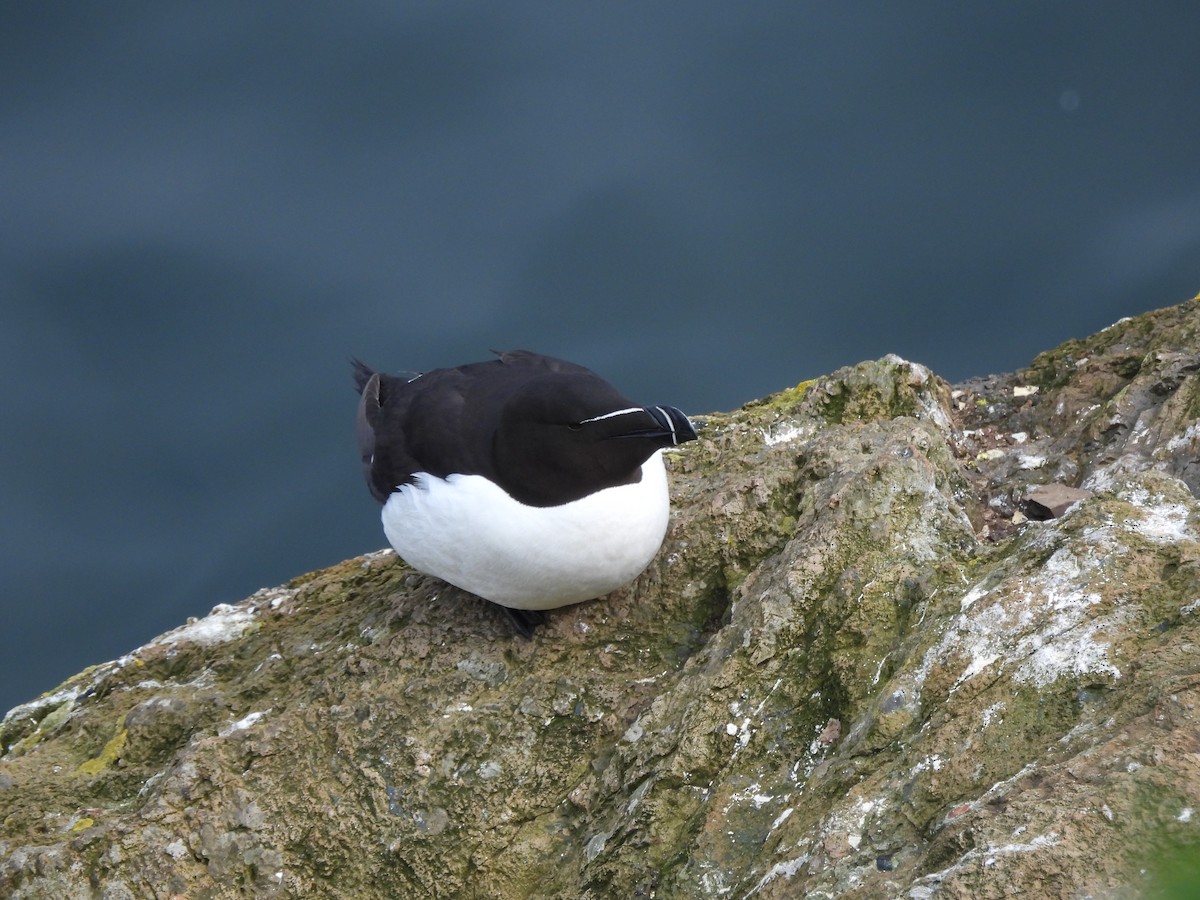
524	621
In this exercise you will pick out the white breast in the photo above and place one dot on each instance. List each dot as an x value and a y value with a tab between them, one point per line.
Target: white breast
467	531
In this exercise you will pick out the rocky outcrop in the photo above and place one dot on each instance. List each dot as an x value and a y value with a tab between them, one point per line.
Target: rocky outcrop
869	661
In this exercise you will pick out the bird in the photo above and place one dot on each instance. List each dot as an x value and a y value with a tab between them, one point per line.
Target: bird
526	480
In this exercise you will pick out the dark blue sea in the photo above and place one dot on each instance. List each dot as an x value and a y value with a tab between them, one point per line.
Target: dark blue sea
206	209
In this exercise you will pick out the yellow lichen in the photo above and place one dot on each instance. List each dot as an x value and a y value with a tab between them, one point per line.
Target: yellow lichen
786	399
85	822
111	751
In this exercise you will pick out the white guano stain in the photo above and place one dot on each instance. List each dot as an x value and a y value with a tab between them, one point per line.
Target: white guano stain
1159	520
989	854
243	723
784	433
1042	625
225	623
1057	621
1190	436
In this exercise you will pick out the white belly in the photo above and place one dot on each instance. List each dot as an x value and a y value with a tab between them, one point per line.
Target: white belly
469	532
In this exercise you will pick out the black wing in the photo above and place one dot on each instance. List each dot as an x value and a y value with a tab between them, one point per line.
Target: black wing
441	422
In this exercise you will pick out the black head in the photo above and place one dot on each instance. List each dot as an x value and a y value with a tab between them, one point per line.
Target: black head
562	436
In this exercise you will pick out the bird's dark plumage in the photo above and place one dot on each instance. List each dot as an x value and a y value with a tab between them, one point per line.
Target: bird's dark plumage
517	420
527	480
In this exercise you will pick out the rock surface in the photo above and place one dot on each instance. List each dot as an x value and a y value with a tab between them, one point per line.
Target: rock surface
858	668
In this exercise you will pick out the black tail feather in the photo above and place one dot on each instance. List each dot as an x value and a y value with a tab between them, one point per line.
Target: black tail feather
362	373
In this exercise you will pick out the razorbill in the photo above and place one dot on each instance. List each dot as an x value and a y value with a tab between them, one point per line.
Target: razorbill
527	480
